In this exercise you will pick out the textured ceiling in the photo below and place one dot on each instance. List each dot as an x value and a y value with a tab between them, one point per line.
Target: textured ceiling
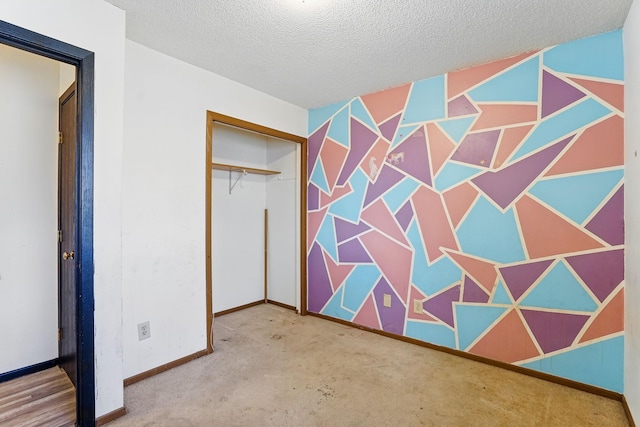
316	52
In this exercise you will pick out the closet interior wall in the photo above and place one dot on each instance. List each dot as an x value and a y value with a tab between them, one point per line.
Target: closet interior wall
238	219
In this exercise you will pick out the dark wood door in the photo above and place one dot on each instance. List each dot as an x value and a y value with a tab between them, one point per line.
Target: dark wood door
67	347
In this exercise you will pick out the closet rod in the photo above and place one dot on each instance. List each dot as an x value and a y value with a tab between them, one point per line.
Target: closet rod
266	253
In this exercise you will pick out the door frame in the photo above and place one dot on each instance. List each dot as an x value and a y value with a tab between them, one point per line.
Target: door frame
263	130
83	60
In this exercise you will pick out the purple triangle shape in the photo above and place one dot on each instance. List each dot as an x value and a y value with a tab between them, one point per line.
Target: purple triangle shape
519	278
353	251
554	331
608	223
441	306
478	148
473	292
600	271
320	289
391	318
387	178
507	184
313	197
388	128
346	230
415	157
405	215
314	144
362	138
557	94
461	106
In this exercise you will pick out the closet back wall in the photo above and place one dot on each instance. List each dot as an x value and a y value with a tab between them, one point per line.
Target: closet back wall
284	214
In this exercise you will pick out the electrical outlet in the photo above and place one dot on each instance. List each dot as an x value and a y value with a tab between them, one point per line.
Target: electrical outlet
144	330
387	300
417	306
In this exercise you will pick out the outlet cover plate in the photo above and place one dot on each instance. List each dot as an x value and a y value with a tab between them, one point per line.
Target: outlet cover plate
417	306
387	300
144	330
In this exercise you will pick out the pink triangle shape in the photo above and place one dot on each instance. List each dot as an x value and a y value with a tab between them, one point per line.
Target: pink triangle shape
415	294
337	273
379	217
368	316
314	221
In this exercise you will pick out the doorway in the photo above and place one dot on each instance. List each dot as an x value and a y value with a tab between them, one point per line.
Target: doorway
82	181
299	170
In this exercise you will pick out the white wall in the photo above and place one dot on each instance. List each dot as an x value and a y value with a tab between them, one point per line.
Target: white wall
237	219
99	27
67	75
632	210
284	214
164	195
29	213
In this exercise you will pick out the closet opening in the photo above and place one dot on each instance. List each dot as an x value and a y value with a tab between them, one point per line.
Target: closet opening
255	218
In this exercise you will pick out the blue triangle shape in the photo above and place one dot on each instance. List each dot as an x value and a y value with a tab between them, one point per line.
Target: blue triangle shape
491	234
452	174
554	127
518	84
600	364
579	195
350	206
318	177
398	195
327	237
402	134
334	307
426	101
432	333
339	128
456	128
577	57
360	112
473	319
319	116
560	290
359	285
430	279
501	296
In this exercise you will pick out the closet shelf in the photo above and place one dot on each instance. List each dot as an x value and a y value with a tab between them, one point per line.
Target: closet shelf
244	169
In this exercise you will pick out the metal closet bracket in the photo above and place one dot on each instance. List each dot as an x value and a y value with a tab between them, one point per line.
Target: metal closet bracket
232	186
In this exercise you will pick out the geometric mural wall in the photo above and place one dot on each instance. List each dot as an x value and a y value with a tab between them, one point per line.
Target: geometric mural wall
481	210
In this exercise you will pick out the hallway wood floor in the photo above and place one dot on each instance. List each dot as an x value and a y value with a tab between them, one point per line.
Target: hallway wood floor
43	399
272	367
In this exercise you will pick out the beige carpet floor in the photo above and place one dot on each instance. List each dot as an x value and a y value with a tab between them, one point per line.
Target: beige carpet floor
272	367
